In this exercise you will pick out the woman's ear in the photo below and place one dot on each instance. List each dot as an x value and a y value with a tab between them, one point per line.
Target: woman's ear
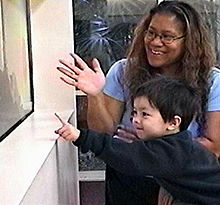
174	123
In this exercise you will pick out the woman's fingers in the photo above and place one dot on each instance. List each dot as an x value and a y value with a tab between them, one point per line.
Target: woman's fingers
125	132
70	66
82	64
89	80
68	73
96	65
69	82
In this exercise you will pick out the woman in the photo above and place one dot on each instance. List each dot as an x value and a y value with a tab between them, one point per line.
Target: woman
172	40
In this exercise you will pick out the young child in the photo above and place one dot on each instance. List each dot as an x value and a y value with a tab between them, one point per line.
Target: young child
162	110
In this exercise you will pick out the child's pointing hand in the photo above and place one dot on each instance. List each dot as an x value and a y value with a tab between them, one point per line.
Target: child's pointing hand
67	131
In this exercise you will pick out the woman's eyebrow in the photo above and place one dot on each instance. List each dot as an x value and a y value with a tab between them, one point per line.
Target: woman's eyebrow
164	31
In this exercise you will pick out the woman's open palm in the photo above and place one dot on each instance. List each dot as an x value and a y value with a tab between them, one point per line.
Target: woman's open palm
89	80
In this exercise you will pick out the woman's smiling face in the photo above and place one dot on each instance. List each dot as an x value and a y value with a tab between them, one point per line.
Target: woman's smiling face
159	54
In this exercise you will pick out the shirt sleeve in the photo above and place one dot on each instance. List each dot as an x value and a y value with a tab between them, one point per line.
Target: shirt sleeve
138	158
213	100
214	95
114	86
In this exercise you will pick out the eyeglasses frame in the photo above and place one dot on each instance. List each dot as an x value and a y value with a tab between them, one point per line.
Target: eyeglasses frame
161	37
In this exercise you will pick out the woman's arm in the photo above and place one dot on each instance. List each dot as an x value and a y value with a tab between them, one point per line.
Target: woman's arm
212	135
212	132
104	113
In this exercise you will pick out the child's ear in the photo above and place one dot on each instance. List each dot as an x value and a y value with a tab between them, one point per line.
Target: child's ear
174	123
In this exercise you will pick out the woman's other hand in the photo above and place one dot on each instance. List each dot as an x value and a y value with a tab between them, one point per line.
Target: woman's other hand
126	134
208	143
89	80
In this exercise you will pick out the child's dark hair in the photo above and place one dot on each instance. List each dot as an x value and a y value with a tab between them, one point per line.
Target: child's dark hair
171	97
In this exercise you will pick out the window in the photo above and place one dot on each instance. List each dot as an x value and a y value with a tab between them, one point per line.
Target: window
210	11
103	30
16	98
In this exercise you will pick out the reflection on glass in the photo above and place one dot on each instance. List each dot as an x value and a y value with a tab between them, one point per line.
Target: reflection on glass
92	193
210	11
87	161
103	30
15	94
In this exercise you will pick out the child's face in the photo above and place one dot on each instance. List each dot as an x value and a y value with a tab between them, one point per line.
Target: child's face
147	120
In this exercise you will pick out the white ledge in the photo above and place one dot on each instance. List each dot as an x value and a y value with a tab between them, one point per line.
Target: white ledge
23	153
92	175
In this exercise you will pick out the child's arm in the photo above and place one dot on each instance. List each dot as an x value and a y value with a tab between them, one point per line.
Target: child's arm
67	131
137	158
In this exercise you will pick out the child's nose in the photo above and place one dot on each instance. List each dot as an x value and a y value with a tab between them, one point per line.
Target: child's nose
136	119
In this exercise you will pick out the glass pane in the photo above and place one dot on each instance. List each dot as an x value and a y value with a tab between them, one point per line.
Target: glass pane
210	10
92	193
103	30
15	89
87	161
215	22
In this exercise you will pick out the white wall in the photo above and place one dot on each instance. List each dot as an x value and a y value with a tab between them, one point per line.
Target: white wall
52	39
36	169
58	188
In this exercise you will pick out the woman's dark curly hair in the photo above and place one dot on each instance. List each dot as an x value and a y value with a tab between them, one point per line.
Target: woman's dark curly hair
197	60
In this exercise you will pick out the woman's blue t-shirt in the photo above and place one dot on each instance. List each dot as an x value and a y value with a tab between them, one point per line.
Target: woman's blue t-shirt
116	89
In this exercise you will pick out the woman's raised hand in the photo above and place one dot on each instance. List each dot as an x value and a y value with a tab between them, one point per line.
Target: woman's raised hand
89	80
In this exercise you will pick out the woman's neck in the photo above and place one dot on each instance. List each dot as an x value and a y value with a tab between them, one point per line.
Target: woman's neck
169	70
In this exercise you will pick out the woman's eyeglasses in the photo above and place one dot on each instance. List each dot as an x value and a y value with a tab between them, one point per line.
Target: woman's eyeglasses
164	38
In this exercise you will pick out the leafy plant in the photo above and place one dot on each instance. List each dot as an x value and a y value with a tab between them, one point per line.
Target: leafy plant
103	29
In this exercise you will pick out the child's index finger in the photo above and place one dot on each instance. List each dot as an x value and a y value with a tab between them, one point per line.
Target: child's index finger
59	118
